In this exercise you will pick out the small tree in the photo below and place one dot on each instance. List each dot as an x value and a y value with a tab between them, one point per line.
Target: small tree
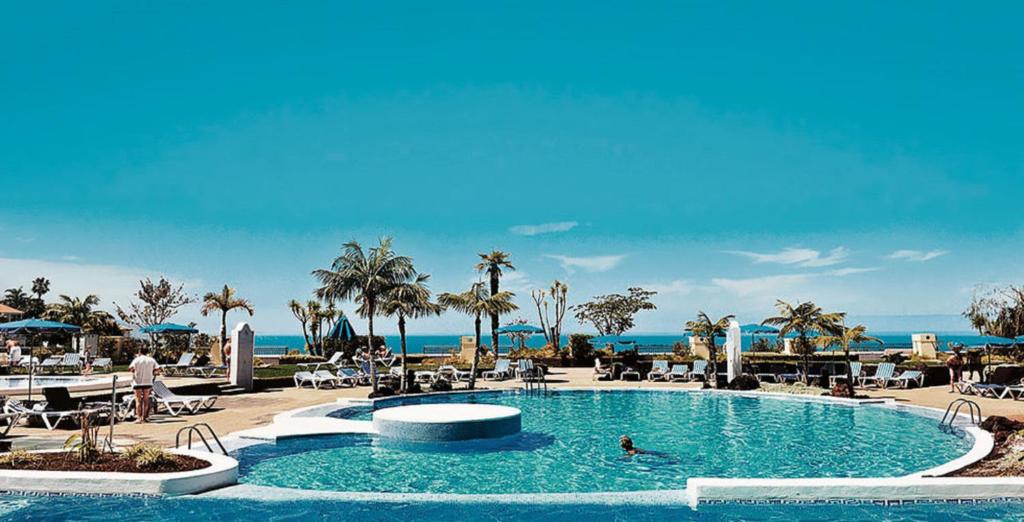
224	302
704	327
613	314
364	277
302	314
158	302
410	299
558	293
476	302
804	319
998	312
842	337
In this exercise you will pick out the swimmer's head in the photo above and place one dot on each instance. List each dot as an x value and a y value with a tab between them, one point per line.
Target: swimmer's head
626	443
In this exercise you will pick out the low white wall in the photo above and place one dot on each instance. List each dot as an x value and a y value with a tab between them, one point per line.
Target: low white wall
223	471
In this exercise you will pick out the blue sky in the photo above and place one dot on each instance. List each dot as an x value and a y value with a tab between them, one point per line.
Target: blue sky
861	154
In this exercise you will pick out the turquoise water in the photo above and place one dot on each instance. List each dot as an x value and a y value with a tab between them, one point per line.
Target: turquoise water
187	509
569	443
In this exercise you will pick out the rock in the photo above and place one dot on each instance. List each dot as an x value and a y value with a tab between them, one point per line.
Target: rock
744	382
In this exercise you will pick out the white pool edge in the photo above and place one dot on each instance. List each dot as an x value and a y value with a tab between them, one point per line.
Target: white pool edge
222	472
922	485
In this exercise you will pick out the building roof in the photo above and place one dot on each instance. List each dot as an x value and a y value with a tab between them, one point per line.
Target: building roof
7	310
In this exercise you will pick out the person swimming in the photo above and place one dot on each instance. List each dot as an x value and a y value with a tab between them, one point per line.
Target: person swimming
627	445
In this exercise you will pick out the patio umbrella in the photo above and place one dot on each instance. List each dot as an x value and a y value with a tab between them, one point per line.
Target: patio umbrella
167	328
518	331
342	330
36	326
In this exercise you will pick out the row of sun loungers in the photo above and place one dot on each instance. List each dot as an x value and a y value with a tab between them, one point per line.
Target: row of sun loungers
995	391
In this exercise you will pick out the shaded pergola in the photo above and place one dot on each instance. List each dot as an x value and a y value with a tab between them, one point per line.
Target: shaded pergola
159	330
518	331
8	313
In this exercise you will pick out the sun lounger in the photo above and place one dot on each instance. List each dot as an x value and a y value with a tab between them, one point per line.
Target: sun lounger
9	419
102	363
208	371
302	378
658	371
387	359
51	364
882	377
424	376
700	367
600	370
58	407
176	404
183	366
982	389
353	376
392	377
334	361
451	373
501	371
910	376
1013	391
855	368
70	362
679	372
630	372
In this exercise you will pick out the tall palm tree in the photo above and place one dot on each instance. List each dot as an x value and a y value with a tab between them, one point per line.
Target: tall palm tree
708	329
803	319
224	302
17	298
840	335
79	312
409	299
475	302
492	264
364	277
40	287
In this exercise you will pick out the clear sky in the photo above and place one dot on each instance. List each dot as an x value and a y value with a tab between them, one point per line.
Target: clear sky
865	155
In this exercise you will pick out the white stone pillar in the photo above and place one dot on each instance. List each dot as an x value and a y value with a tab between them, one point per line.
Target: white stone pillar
924	345
242	347
733	347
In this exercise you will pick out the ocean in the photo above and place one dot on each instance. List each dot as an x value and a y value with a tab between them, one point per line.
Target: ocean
437	343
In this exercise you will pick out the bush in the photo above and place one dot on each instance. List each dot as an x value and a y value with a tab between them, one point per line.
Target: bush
744	382
580	348
149	456
441	385
299	359
680	349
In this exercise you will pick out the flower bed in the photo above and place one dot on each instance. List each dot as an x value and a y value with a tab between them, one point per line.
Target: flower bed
153	461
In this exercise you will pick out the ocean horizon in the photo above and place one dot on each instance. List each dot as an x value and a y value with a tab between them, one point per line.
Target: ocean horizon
439	343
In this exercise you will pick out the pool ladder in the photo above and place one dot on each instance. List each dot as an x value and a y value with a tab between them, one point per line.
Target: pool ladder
954	408
195	429
536	381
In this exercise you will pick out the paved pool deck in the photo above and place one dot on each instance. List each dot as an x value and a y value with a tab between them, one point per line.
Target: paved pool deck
234	413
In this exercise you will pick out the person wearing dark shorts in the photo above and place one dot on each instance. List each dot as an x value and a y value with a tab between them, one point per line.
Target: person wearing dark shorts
144	370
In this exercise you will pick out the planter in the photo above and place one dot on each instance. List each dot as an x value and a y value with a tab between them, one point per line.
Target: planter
223	471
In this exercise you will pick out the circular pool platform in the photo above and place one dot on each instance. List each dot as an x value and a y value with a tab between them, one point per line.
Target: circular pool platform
447	422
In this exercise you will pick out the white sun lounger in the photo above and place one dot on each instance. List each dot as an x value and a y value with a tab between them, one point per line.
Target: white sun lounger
183	365
71	361
501	370
855	368
104	363
882	377
909	376
334	361
601	370
51	364
176	404
679	372
700	367
302	378
659	370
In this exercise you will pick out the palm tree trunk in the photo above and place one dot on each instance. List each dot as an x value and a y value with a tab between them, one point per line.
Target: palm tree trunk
223	335
849	370
494	316
712	349
369	346
401	333
476	355
806	357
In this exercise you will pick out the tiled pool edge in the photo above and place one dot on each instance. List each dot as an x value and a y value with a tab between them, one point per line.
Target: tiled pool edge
925	485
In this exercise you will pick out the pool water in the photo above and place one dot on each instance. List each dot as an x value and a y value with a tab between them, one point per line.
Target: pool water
187	509
569	443
43	382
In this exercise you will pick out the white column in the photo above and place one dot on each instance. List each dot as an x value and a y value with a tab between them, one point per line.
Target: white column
733	344
242	348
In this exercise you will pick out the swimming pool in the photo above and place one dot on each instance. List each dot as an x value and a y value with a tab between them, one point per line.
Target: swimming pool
18	384
184	509
569	444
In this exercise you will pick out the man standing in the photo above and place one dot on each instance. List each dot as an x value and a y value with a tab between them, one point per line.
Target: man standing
144	369
15	353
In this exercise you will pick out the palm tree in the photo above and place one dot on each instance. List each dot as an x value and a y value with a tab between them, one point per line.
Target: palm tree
475	302
365	277
708	329
492	264
842	336
40	287
17	298
803	319
224	302
409	299
79	312
300	313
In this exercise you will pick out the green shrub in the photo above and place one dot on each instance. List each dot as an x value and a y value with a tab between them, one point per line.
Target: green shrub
152	456
299	359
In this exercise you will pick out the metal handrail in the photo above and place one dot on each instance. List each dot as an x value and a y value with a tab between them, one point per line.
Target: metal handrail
194	428
972	407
